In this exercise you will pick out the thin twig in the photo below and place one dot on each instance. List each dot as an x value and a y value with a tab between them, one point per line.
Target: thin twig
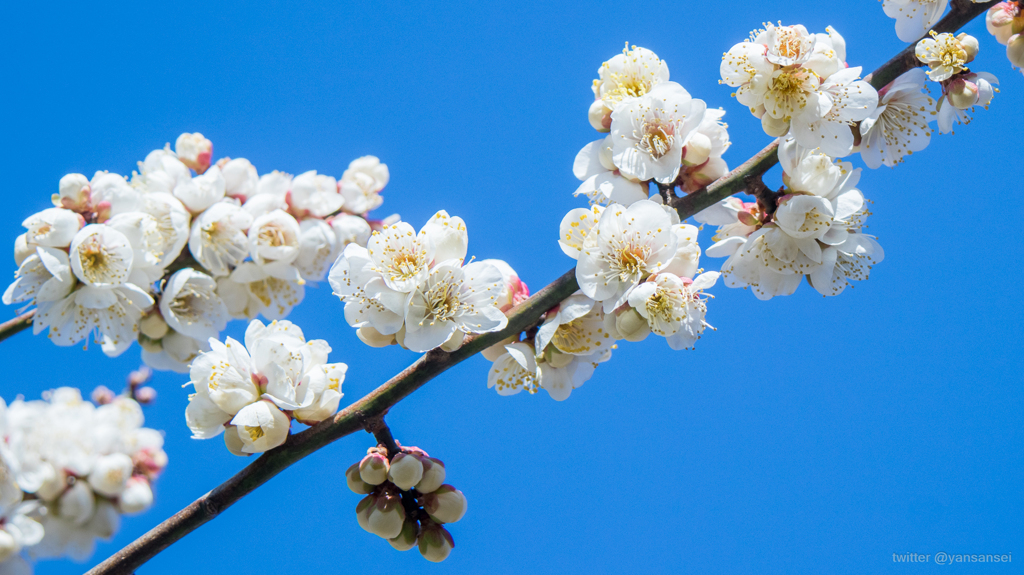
435	362
11	327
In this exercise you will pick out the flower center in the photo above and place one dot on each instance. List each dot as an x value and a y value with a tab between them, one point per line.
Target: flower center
657	137
254	432
442	300
632	261
273	236
98	262
571	337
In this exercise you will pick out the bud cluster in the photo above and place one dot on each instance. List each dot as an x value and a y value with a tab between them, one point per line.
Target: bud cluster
407	501
412	289
1005	21
69	469
252	392
171	255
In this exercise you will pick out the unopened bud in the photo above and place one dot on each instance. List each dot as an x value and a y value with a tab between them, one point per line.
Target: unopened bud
433	475
632	326
445	505
373	469
21	249
698	150
194	150
557	359
406	540
999	20
77	504
435	543
962	94
969	44
373	338
136	497
153	326
145	395
382	515
405	471
600	116
355	482
233	442
110	474
54	482
8	547
150	345
102	395
774	126
1015	50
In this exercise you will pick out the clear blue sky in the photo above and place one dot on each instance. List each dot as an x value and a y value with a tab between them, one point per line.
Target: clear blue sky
806	435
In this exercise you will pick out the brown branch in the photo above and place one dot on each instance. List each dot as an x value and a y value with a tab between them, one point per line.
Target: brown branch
433	363
11	327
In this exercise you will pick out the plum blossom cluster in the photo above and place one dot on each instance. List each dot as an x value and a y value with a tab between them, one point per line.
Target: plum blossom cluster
170	255
68	470
413	288
798	83
1005	21
407	501
811	228
947	57
656	131
251	392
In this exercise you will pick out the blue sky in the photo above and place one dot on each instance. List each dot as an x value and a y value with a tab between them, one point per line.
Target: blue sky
806	435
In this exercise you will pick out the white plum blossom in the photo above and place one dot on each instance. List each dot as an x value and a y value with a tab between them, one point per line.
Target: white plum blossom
101	256
946	54
315	194
219	239
190	305
362	183
250	290
274	244
42	277
577	327
631	74
914	17
247	389
898	127
401	256
52	227
318	248
240	178
453	298
201	192
1004	21
649	133
622	249
841	100
672	306
113	313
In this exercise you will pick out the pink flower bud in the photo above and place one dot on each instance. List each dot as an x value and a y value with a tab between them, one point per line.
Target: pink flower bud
406	540
102	395
1002	19
405	471
433	475
600	116
445	505
1015	50
435	543
145	395
136	497
194	150
373	469
631	325
355	481
962	94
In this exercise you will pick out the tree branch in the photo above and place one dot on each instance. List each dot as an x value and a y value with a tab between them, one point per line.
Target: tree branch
433	363
11	327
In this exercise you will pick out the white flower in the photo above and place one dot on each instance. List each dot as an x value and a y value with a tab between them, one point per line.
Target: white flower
316	195
73	193
149	245
673	308
575	226
733	216
110	474
454	298
325	386
318	249
190	305
259	293
899	125
101	256
631	74
448	236
274	244
358	192
649	133
201	192
350	229
841	100
194	150
161	171
914	17
578	327
176	351
43	276
850	260
745	67
370	166
136	497
401	256
260	426
369	302
114	313
514	290
1004	20
946	54
52	227
218	239
514	371
240	178
807	169
625	246
947	112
